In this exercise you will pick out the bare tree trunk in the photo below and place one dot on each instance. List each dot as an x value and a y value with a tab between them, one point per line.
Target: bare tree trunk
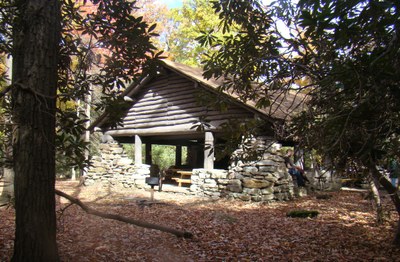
86	136
35	60
394	195
374	185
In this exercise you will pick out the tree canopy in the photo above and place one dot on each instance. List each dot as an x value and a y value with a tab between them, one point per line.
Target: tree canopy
347	52
185	24
346	56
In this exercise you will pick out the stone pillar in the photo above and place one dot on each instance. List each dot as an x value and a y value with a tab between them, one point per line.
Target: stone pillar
178	156
148	154
138	150
209	151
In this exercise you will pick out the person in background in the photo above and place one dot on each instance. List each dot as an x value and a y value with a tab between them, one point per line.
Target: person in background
295	171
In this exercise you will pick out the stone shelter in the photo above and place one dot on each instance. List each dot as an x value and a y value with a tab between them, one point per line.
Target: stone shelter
165	109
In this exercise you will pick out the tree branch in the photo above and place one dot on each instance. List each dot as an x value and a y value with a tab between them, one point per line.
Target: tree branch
139	223
5	91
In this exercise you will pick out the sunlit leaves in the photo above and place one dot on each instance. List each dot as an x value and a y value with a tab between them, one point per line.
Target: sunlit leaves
195	19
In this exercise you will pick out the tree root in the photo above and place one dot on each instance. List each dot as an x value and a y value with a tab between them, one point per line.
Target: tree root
139	223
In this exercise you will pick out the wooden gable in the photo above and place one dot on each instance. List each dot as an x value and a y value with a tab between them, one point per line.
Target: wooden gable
169	105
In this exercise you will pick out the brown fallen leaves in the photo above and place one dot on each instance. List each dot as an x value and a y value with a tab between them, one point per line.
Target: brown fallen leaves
344	230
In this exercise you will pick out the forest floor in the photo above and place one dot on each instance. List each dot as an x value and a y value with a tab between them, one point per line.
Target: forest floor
344	230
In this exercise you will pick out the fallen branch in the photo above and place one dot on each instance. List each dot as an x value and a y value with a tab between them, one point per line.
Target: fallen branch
139	223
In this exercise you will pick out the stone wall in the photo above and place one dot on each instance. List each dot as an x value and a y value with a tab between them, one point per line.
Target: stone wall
264	178
114	166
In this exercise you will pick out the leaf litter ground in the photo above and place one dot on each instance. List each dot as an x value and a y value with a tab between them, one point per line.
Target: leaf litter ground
345	229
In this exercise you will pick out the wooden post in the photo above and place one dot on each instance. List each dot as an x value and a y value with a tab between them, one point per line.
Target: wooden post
178	155
149	160
138	150
209	151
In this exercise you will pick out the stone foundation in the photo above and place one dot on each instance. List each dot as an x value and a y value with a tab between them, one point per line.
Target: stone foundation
264	179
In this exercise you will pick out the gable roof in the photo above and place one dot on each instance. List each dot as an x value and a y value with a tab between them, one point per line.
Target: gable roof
283	105
280	109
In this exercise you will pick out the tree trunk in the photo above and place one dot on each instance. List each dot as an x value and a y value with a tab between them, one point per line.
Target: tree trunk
374	185
35	59
393	195
86	136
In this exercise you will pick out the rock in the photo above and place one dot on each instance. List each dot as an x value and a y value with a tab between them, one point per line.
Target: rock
223	181
245	197
268	191
219	174
271	178
271	168
123	162
266	162
252	191
210	182
250	170
209	188
267	197
99	170
196	179
204	175
117	150
194	188
256	198
235	186
255	183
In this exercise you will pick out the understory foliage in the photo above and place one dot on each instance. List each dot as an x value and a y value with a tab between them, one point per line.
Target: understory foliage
162	155
103	46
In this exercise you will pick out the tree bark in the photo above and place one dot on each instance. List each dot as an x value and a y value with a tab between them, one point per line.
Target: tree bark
374	184
394	195
139	223
36	34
